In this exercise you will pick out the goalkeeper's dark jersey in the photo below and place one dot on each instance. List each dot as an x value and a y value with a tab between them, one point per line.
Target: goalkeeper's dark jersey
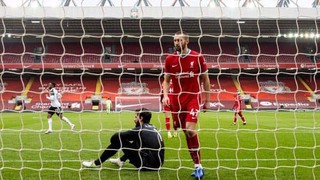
149	141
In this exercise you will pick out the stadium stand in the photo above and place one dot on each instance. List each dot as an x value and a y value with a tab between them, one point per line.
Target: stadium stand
12	86
70	52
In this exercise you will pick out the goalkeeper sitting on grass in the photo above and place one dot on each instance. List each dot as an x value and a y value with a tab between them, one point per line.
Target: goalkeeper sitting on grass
142	146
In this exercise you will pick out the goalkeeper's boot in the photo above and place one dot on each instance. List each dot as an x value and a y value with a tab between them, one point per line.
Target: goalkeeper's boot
198	173
175	134
89	164
244	123
117	162
48	131
72	127
169	135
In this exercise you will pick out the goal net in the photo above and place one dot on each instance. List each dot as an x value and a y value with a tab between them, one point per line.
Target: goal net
267	57
131	103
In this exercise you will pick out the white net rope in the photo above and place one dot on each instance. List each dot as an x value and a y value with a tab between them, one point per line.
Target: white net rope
93	54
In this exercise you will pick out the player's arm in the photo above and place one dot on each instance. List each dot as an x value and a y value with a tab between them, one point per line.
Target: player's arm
130	135
206	81
51	97
206	85
166	86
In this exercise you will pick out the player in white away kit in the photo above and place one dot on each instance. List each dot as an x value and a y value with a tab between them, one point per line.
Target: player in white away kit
108	105
55	107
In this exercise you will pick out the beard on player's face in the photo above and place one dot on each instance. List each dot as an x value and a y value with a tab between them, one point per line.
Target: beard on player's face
179	47
136	120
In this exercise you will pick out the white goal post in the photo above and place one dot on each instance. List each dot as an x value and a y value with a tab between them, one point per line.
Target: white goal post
131	103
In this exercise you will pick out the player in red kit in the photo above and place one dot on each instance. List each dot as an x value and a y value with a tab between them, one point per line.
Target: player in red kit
167	112
237	107
187	69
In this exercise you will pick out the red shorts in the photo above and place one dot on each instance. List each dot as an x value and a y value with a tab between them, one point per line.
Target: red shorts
166	108
185	112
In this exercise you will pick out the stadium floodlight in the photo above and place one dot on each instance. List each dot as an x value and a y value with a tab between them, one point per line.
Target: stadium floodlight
35	21
241	22
312	35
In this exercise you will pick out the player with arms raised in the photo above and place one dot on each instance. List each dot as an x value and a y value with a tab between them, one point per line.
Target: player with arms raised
55	107
237	107
187	69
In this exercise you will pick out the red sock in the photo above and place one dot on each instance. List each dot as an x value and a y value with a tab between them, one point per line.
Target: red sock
168	124
194	149
235	117
242	117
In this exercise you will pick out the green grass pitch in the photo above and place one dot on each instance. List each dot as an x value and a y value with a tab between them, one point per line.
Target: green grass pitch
273	145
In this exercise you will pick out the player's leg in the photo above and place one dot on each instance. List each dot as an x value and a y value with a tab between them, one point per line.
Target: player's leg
151	160
175	123
65	119
234	118
49	117
242	118
111	150
167	120
194	149
193	143
119	161
175	113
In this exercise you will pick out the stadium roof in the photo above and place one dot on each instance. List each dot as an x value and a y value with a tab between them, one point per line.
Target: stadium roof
154	22
158	3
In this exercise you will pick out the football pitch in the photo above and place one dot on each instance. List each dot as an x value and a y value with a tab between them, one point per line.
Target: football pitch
273	145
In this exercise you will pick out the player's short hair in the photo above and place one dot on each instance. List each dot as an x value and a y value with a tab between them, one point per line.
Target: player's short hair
186	36
145	114
53	84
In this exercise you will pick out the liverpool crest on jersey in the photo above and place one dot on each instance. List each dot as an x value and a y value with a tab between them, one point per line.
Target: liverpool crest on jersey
191	64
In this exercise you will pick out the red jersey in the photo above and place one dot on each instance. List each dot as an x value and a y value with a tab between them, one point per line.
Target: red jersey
185	71
237	103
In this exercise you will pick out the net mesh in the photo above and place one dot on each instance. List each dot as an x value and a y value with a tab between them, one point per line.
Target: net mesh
101	53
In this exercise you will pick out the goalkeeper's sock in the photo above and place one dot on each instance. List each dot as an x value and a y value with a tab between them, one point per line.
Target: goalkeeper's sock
168	124
65	119
50	124
194	149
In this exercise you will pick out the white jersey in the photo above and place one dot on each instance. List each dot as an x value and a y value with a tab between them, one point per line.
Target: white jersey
54	97
108	103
